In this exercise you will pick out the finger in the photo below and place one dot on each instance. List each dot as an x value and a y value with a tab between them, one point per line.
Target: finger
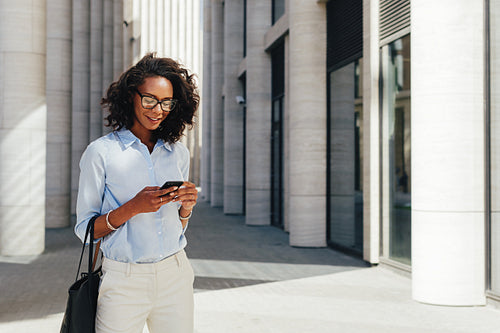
151	188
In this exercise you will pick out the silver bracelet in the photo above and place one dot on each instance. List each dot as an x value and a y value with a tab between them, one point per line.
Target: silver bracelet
109	224
185	218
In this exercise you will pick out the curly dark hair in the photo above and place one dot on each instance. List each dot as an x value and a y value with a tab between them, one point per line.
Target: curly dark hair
119	97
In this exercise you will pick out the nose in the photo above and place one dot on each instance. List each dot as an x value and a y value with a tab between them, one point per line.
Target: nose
158	108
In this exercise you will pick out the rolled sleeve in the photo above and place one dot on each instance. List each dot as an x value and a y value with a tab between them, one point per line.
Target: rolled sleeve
91	188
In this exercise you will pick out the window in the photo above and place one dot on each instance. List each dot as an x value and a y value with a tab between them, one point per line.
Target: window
396	150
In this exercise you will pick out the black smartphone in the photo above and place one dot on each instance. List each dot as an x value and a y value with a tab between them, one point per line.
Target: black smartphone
172	183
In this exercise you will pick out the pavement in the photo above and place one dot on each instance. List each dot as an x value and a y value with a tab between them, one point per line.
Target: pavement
248	279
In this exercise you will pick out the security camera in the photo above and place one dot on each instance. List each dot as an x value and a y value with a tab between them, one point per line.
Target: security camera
240	100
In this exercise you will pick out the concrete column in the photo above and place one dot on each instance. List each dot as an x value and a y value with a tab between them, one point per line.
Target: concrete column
217	125
58	92
307	130
23	127
233	112
371	130
118	39
167	28
80	100
258	116
206	103
96	67
495	143
182	31
174	35
342	199
128	33
160	32
107	57
448	249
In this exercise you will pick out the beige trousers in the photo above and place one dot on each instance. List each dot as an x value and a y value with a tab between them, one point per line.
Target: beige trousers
159	294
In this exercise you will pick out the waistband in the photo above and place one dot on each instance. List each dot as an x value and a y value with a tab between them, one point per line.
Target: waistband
171	262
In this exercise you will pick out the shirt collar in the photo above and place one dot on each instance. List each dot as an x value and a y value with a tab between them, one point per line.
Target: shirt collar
128	138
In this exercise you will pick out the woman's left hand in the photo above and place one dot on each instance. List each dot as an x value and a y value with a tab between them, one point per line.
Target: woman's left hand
187	195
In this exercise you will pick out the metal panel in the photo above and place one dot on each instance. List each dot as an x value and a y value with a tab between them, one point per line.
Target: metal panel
394	18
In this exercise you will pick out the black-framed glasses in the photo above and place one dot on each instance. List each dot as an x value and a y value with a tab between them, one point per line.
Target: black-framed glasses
150	102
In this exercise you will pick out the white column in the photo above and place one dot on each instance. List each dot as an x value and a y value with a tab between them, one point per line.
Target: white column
23	127
80	100
174	32
307	129
258	116
217	128
167	27
96	67
233	112
371	137
448	242
58	92
206	102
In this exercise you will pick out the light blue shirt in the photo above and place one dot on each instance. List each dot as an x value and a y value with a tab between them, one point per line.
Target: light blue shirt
113	169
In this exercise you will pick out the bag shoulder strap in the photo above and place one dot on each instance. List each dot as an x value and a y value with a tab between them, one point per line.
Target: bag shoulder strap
89	230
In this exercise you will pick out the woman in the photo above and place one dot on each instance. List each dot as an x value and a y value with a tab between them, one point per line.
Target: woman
146	277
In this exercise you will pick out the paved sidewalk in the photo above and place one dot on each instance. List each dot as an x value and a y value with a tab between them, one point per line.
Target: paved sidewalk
247	280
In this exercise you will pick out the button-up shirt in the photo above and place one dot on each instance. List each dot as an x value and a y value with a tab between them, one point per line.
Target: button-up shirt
113	169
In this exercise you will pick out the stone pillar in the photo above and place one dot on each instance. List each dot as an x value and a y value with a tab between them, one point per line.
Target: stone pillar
80	95
23	127
258	116
371	130
107	57
58	92
217	125
233	112
448	243
96	67
307	129
118	39
205	114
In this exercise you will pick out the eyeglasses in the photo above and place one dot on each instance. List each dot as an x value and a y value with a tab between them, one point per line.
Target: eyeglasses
150	102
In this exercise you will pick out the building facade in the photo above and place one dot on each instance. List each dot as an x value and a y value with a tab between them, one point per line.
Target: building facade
368	126
57	59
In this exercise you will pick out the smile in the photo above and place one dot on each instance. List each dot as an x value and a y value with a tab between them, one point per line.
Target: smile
154	119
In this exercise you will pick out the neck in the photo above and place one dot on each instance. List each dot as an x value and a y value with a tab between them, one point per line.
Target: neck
144	135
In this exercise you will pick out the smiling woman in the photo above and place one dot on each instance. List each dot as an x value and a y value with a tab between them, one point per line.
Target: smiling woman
141	225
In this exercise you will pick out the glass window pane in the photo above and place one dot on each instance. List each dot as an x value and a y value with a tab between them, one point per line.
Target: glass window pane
278	9
397	149
345	180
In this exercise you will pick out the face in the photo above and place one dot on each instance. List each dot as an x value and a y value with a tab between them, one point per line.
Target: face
147	120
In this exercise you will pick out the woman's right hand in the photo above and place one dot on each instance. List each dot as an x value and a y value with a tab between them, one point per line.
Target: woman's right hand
150	199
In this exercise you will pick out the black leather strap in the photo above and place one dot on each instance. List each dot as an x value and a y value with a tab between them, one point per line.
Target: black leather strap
90	230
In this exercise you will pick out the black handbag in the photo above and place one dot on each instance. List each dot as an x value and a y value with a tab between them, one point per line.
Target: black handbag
80	313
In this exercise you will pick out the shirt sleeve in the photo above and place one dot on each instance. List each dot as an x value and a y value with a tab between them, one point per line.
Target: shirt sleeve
90	188
185	173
